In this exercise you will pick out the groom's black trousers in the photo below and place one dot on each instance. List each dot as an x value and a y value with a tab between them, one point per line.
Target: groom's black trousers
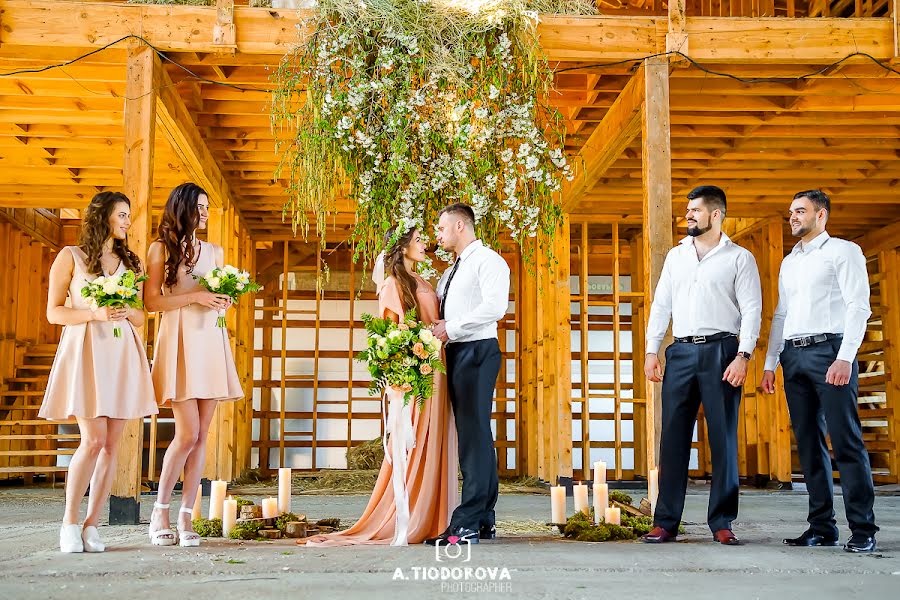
693	376
472	369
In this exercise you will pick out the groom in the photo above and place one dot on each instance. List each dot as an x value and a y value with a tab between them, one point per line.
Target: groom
474	295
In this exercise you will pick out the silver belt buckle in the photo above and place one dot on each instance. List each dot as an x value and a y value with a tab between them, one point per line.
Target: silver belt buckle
800	342
698	339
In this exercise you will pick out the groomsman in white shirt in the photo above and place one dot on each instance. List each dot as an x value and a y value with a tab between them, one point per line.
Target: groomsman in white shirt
709	287
474	295
819	324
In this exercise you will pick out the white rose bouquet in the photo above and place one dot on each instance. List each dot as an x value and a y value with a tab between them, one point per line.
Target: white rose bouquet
230	281
115	291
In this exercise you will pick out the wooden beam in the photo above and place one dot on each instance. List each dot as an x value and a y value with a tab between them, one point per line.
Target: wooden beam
886	238
614	133
657	212
143	80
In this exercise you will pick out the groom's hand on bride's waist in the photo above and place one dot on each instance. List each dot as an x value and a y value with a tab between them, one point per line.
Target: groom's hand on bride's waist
439	329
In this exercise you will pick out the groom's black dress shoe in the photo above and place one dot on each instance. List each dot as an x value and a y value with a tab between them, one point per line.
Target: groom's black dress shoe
487	532
454	536
860	543
810	538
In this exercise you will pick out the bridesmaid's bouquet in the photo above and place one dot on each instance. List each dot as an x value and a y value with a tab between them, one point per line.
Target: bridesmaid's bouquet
230	281
401	355
116	291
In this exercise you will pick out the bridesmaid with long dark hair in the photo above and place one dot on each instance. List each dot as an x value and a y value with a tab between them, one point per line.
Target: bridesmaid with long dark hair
193	367
101	380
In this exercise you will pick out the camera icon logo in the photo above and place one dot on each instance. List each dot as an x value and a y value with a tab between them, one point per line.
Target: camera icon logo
453	548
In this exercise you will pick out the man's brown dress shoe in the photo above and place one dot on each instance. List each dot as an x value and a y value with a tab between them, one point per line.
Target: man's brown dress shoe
658	536
726	538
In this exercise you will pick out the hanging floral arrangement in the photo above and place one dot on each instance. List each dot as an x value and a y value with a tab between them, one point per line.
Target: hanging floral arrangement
404	106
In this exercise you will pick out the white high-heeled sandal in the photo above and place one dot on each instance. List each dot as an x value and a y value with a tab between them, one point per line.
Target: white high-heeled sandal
91	539
187	539
70	538
161	537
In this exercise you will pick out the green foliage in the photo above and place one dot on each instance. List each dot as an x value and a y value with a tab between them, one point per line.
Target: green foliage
208	527
580	527
248	530
242	502
620	496
402	355
419	104
282	521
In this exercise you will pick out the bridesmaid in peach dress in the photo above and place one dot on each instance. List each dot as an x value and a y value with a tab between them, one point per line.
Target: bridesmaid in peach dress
431	479
193	368
101	380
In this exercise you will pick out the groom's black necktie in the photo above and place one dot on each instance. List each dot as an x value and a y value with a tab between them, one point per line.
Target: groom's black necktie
447	287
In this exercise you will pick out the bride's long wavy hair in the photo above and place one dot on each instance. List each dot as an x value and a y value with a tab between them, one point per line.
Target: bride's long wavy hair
95	231
180	219
394	266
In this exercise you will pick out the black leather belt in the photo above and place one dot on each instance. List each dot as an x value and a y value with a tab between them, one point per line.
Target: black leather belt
703	339
812	340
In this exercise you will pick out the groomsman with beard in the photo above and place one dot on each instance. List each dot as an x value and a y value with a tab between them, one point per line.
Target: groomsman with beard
709	288
819	324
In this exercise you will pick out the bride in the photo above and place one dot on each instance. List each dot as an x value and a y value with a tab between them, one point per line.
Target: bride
430	483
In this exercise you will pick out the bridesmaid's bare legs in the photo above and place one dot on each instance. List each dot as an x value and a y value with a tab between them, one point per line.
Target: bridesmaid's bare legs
187	429
196	461
81	468
104	471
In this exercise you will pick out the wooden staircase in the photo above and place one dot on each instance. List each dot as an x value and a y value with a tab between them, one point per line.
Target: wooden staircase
30	446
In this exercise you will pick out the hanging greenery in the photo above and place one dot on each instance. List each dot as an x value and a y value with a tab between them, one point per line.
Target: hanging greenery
404	106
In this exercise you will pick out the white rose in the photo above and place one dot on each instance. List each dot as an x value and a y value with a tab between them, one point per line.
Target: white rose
110	287
231	270
213	282
239	285
381	341
393	335
426	336
99	281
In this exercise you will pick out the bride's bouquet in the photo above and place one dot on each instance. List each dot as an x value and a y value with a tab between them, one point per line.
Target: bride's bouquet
115	291
230	281
402	355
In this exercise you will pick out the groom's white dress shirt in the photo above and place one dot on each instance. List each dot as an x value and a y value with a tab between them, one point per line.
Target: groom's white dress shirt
477	297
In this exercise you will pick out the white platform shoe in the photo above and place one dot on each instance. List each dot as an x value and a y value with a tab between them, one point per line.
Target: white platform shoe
90	537
70	538
187	539
161	537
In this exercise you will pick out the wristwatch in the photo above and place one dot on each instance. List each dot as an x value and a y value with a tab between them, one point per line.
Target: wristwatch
744	355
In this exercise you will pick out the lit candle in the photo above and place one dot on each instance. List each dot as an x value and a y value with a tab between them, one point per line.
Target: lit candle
653	491
614	515
229	516
580	494
284	491
557	504
195	513
270	508
599	472
217	498
601	501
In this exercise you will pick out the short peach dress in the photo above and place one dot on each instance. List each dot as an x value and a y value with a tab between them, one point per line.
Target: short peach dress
193	356
432	478
95	374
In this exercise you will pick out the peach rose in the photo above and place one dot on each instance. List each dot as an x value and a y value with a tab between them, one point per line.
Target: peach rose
425	369
403	327
406	387
419	350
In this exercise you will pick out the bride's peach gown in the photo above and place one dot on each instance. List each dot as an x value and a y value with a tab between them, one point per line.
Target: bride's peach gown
431	478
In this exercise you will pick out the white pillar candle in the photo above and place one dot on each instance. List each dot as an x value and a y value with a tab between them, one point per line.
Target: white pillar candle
270	508
195	513
557	504
284	490
614	515
580	494
601	501
217	498
653	489
599	472
229	516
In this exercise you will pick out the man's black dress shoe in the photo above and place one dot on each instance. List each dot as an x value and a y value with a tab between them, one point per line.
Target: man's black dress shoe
454	536
810	538
487	532
860	543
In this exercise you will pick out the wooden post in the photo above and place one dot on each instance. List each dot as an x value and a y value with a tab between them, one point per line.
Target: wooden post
657	213
890	300
143	76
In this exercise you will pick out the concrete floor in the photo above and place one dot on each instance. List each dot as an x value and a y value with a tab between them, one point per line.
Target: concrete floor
539	565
